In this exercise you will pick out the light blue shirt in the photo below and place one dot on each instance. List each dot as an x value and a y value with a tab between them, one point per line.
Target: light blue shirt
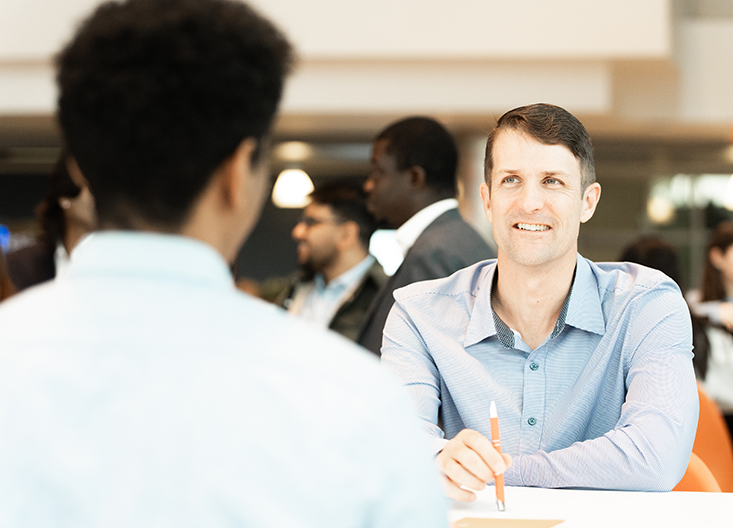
144	390
318	302
607	401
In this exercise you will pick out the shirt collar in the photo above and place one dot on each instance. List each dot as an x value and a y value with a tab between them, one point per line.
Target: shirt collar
348	277
582	310
585	310
413	228
143	254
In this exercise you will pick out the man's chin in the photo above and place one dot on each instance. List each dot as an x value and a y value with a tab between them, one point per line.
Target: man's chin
306	271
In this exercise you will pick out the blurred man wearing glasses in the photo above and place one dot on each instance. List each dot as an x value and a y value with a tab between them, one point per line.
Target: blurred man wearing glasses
338	278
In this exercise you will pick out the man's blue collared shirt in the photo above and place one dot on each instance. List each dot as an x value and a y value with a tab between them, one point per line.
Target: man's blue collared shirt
608	400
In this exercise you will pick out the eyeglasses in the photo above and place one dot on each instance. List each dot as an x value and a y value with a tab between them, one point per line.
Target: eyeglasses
309	221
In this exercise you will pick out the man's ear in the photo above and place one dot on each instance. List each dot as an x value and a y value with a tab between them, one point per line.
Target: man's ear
349	234
590	200
486	200
237	173
75	173
417	176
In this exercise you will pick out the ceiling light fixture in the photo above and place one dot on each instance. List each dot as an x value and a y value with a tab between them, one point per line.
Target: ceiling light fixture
291	189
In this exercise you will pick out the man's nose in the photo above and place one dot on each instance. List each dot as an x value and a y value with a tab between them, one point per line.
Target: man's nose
298	231
532	198
368	185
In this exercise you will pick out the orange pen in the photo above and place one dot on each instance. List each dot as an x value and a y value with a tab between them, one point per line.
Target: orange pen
498	479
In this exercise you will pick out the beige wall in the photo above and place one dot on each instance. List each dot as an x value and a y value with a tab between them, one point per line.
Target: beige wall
625	66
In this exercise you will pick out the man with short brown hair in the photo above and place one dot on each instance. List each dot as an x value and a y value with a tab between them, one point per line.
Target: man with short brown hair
590	365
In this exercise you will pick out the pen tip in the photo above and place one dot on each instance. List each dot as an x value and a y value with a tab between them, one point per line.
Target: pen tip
500	505
492	410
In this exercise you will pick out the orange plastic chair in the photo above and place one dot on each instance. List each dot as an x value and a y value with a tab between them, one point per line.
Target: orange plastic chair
712	441
697	477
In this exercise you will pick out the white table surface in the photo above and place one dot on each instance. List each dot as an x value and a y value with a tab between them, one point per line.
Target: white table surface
600	509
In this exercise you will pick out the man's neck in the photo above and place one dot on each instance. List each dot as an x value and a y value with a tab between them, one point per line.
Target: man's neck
529	300
345	261
72	236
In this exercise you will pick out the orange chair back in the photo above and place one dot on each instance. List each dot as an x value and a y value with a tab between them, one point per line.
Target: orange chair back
697	477
712	441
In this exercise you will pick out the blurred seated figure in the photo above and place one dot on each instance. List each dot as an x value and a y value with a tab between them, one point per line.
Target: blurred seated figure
6	286
653	252
66	214
714	303
339	279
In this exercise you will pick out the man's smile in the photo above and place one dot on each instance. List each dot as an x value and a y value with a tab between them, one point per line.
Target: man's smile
531	227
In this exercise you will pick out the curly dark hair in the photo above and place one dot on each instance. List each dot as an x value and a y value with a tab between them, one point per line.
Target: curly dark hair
155	94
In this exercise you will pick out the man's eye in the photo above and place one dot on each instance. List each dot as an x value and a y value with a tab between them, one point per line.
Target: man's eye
510	179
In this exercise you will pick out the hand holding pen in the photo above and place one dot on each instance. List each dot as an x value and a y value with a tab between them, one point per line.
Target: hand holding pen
469	459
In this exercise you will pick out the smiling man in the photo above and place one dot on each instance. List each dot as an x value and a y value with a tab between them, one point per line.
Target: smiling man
590	365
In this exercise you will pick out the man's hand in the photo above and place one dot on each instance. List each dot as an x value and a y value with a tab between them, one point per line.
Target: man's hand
469	460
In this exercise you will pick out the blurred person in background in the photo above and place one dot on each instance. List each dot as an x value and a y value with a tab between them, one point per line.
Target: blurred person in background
338	278
412	188
714	303
65	215
6	286
154	393
653	252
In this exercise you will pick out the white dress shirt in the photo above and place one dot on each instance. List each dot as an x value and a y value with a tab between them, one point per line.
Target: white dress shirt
408	232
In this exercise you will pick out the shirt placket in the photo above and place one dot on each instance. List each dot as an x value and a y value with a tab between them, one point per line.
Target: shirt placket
533	408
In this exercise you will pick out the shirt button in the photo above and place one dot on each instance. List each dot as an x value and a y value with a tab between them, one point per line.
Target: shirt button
531	421
534	365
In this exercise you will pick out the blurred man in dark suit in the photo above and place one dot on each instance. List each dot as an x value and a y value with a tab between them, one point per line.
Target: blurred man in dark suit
412	188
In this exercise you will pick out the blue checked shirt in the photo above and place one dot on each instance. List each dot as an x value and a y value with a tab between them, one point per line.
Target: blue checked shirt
607	401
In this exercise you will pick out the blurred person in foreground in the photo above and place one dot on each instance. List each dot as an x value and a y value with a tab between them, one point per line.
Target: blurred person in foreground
66	214
412	188
338	278
590	365
161	395
714	303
